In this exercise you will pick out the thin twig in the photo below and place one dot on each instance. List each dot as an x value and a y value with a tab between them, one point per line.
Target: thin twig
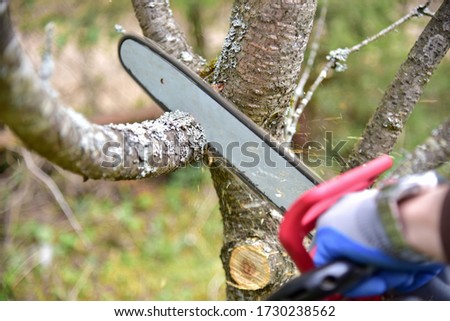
58	196
416	12
291	120
47	66
82	280
26	270
338	57
13	204
299	91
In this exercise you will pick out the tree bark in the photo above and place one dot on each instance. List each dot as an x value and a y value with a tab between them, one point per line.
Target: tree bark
66	138
157	23
405	91
257	70
434	152
262	57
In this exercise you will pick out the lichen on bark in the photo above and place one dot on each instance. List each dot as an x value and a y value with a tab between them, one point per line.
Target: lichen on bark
433	153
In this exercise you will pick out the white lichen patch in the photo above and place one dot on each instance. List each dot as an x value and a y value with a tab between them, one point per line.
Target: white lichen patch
276	215
392	122
151	4
186	56
119	29
232	43
161	145
340	57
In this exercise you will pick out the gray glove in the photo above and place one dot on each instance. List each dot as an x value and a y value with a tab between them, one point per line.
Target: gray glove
363	227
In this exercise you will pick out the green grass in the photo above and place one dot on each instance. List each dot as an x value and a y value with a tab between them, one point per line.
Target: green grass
149	242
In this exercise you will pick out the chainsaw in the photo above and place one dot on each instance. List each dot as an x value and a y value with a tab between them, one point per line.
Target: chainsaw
279	176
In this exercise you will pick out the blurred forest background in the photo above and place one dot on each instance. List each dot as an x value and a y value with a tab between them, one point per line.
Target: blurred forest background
160	239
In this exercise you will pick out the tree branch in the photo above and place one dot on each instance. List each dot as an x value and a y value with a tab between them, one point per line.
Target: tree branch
262	56
67	139
398	102
157	23
433	153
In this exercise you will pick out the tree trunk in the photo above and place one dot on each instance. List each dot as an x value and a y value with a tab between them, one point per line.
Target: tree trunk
258	70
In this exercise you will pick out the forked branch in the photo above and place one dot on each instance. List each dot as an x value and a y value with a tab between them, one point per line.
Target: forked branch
337	61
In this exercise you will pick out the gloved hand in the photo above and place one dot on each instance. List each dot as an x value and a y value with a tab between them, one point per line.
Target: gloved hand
352	229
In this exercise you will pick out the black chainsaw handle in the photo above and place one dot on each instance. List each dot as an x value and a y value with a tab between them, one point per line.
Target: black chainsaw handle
318	284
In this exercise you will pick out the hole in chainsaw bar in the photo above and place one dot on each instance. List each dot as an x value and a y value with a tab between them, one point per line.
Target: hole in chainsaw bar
162	81
329	283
